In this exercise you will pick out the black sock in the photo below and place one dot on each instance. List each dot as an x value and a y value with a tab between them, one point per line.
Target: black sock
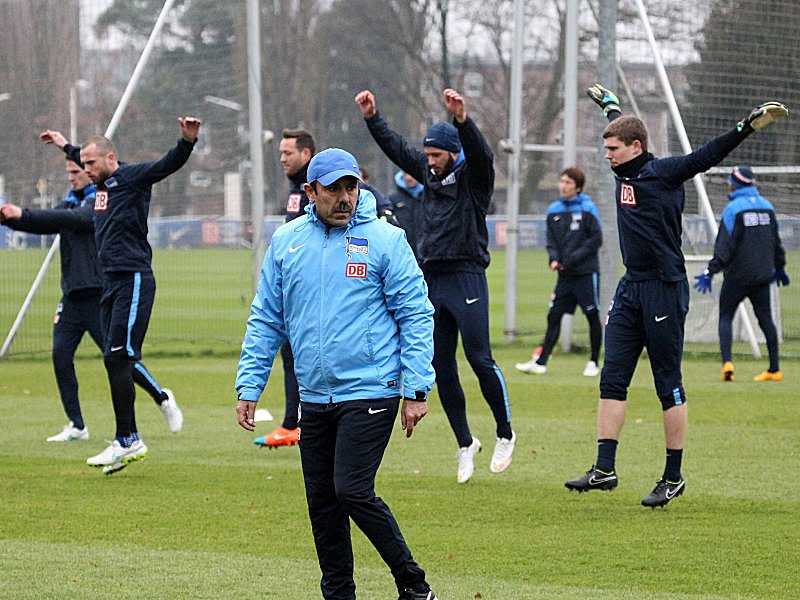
672	472
606	455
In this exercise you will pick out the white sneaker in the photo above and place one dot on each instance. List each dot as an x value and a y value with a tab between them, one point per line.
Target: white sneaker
503	451
532	367
70	433
171	411
466	460
116	457
591	369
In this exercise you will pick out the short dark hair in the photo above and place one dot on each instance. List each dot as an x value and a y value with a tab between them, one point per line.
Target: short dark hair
302	138
627	129
103	144
576	174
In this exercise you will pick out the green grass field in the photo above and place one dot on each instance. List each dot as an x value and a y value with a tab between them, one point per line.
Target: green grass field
209	515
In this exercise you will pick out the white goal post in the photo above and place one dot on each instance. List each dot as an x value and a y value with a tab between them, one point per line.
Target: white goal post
703	317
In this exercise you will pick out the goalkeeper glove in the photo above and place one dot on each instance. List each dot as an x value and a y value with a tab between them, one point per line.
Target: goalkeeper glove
604	98
761	116
781	278
703	282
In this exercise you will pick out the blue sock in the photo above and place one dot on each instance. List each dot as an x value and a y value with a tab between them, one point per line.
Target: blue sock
126	441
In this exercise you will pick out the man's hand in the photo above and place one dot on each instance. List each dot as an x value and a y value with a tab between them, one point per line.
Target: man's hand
781	278
10	211
190	127
410	414
366	103
762	115
703	282
53	137
604	98
555	265
246	414
455	105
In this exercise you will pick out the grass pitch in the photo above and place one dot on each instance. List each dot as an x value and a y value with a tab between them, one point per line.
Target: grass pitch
209	515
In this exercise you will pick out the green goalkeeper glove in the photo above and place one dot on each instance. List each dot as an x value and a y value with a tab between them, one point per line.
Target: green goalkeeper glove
604	98
762	115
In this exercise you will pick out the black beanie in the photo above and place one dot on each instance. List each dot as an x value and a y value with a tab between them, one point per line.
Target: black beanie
443	135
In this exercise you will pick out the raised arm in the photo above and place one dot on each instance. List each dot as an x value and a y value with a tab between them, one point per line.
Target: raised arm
393	145
605	99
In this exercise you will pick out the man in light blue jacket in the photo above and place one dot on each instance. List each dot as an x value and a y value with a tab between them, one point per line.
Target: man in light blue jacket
344	288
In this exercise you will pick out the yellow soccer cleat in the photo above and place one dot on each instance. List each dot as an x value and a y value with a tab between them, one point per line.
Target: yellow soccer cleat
727	371
769	376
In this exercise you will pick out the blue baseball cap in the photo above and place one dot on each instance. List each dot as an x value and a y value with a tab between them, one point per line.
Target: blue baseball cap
331	165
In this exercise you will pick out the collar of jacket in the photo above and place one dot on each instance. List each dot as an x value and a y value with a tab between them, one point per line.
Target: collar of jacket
749	191
633	166
301	177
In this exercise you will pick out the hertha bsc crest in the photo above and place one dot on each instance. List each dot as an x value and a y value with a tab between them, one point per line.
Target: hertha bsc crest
626	195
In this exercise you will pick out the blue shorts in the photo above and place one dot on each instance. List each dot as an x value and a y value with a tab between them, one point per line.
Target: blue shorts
125	312
645	314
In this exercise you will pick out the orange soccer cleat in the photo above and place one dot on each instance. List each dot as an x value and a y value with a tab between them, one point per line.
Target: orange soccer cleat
280	436
769	376
727	371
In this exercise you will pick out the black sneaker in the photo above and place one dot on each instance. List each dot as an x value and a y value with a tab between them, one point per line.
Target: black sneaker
594	479
664	492
412	594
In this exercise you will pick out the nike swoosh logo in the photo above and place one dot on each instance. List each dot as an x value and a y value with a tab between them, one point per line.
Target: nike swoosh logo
675	491
374	411
115	348
296	248
659	319
278	436
597	481
471	300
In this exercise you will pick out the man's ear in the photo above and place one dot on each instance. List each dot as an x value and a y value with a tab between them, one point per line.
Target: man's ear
306	154
310	191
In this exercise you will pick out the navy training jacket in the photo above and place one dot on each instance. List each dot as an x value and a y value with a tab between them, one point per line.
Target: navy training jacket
650	200
80	269
748	247
454	235
121	207
297	201
574	235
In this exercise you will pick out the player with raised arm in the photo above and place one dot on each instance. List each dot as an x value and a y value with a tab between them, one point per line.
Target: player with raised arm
652	298
456	170
122	203
78	310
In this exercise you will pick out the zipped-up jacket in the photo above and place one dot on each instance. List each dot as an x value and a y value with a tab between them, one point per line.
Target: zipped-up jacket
122	205
574	235
748	247
354	306
80	269
454	235
650	201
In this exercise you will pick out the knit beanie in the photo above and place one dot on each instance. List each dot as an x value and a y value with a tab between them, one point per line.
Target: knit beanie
443	135
741	176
